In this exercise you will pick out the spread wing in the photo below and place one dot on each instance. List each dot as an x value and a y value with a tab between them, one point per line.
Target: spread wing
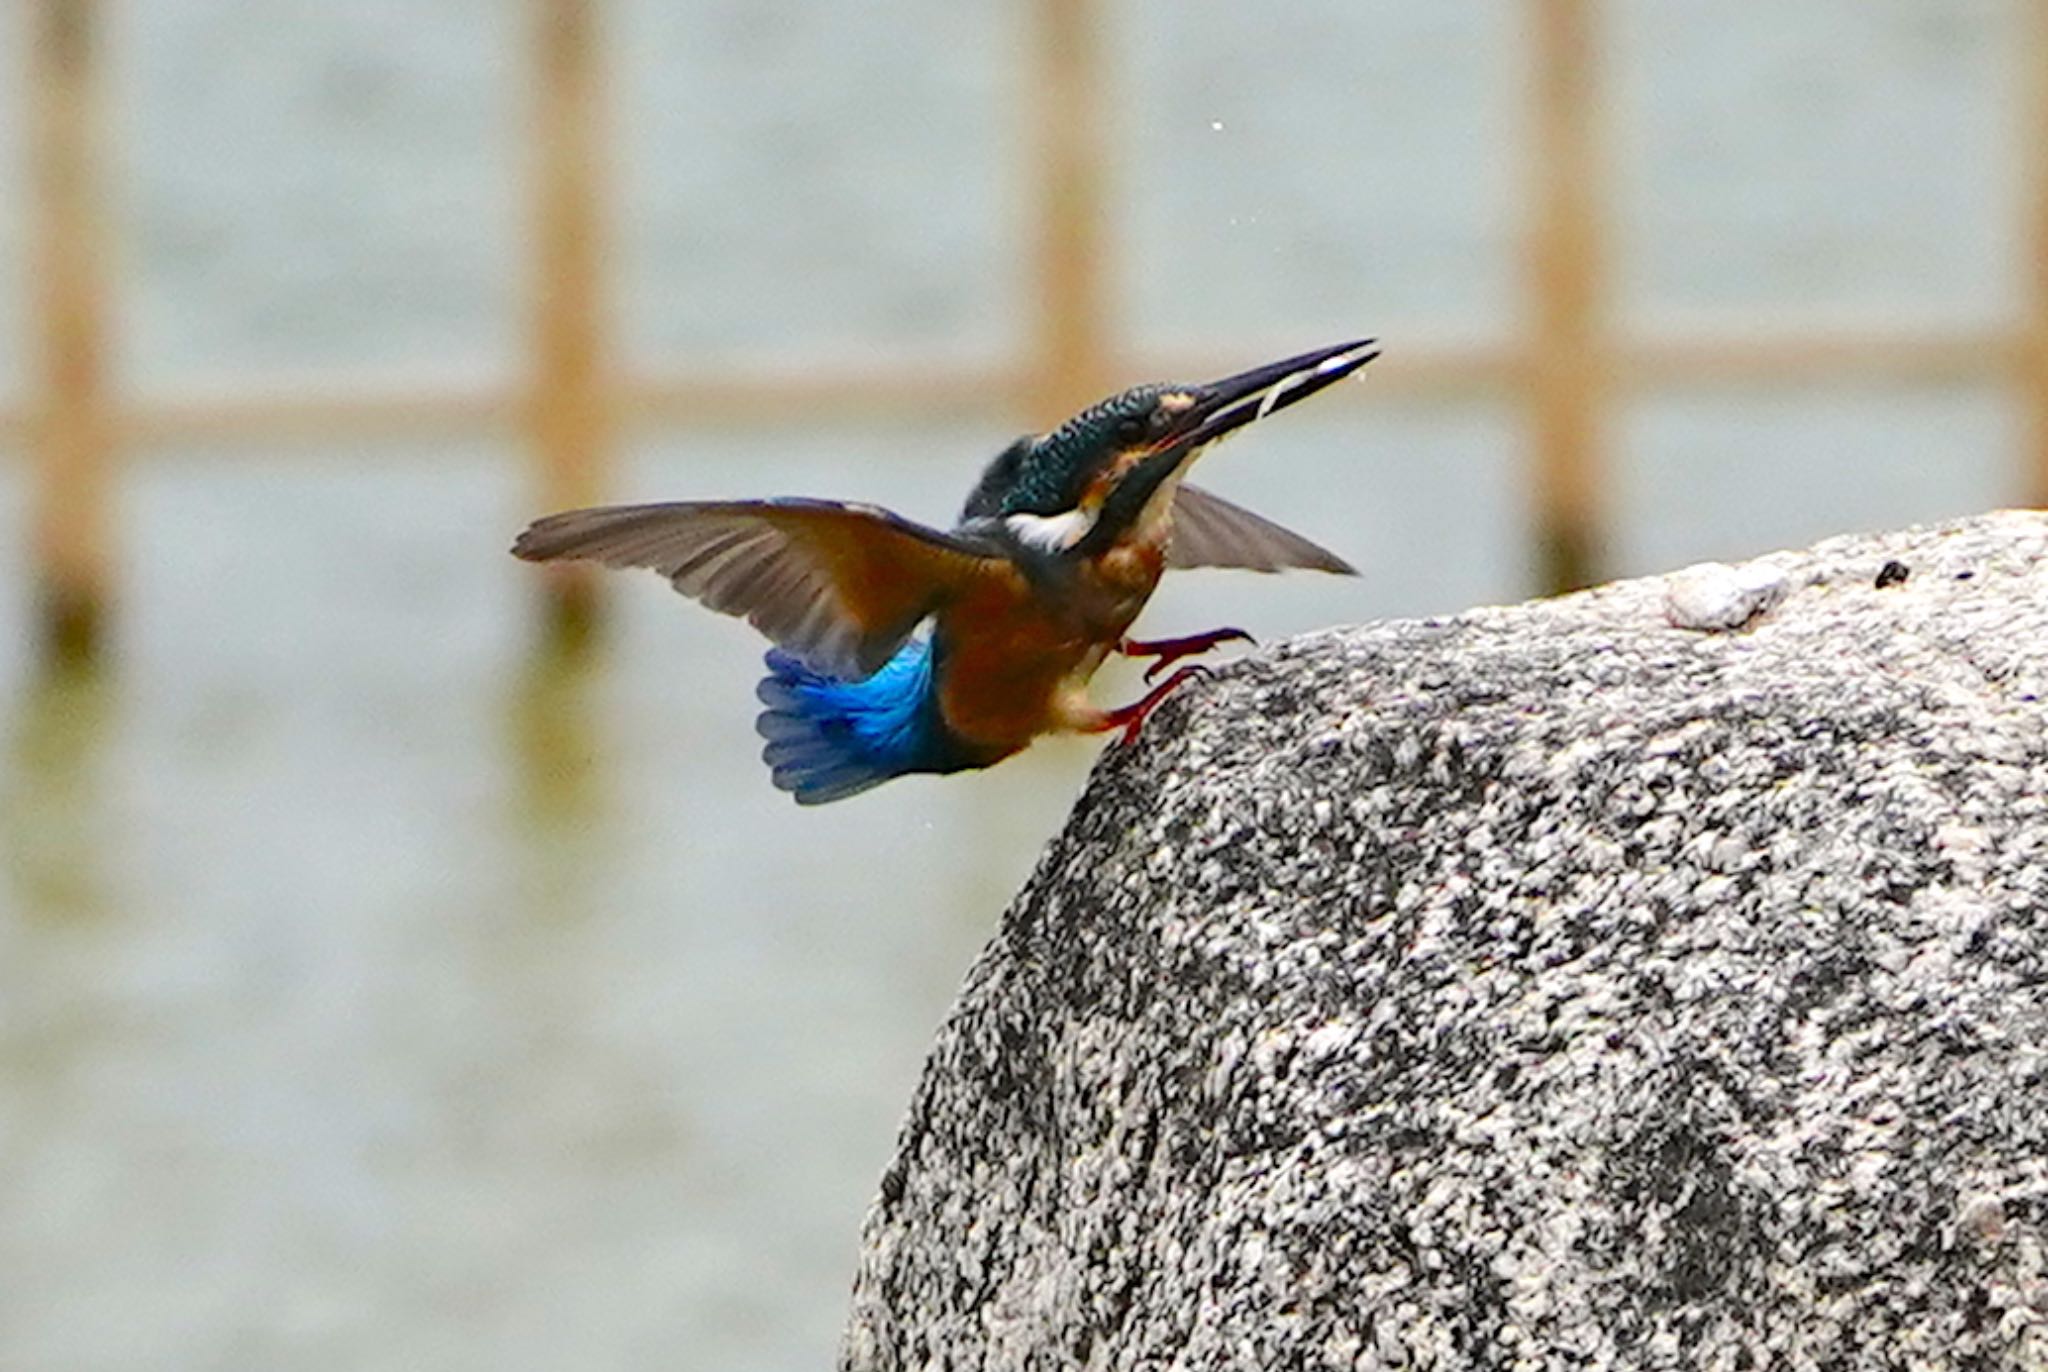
840	586
1209	531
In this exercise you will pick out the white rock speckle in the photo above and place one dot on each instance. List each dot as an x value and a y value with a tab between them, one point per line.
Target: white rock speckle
1715	597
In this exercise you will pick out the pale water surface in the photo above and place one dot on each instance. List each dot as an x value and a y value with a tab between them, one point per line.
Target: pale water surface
374	997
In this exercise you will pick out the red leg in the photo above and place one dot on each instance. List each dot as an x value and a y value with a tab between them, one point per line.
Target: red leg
1172	650
1130	718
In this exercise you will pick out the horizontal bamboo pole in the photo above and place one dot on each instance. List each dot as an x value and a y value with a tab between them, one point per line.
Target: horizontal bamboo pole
312	411
1764	358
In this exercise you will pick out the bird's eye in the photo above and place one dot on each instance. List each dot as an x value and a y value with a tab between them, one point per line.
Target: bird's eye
1131	428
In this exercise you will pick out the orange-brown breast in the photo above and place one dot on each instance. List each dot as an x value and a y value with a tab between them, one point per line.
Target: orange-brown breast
1005	657
1012	654
1124	579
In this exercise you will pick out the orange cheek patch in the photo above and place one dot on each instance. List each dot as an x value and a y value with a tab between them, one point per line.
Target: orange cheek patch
1105	481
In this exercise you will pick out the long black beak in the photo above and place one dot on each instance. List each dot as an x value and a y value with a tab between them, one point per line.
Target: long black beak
1220	407
1236	401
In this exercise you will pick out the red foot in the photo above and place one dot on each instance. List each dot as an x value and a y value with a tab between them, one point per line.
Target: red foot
1131	718
1172	650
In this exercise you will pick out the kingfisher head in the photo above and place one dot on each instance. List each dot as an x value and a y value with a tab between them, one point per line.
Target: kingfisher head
1086	483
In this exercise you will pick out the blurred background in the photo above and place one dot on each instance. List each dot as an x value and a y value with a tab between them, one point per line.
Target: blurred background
404	961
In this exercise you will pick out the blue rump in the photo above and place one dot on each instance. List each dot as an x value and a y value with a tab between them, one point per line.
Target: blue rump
828	739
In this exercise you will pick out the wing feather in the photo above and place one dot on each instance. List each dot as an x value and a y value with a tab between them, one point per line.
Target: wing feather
1209	531
839	586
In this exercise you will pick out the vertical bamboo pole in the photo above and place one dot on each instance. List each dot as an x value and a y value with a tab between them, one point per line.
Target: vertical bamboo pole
1566	363
571	410
1069	351
72	433
2034	150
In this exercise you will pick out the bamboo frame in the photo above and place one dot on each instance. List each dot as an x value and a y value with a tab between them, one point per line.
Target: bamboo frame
1566	365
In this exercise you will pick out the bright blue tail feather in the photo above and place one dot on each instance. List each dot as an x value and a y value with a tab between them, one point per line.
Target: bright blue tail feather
828	739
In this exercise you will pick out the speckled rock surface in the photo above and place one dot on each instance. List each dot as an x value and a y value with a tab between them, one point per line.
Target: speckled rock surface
1548	987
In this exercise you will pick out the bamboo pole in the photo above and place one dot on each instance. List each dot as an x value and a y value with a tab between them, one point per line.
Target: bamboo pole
2034	150
70	430
570	407
1069	350
1567	368
310	411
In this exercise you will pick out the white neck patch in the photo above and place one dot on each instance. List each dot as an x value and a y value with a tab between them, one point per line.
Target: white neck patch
1054	533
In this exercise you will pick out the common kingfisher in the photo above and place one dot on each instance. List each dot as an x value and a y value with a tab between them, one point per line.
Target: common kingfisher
900	648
